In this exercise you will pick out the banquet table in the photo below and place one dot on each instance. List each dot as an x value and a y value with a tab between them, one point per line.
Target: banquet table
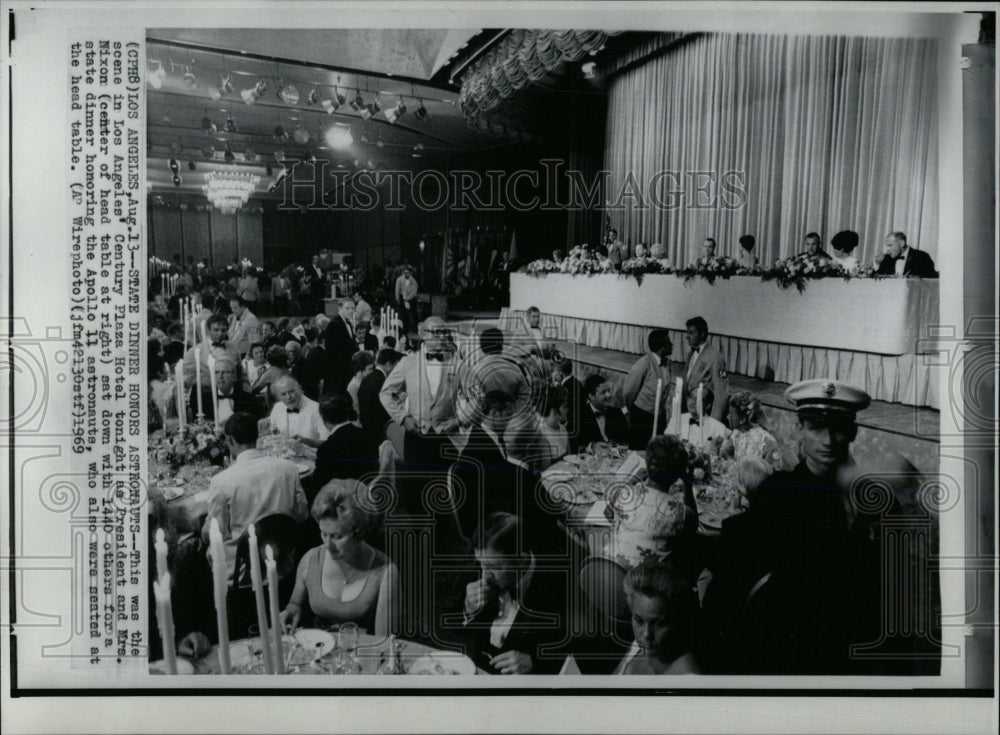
868	332
586	490
313	651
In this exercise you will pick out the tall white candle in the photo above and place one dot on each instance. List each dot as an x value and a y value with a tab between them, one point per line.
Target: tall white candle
674	425
186	320
163	284
181	404
221	588
165	621
214	387
701	413
272	594
258	593
197	378
204	331
161	554
656	406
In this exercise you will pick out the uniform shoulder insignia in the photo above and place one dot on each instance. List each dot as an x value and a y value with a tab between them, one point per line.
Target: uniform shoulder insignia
723	374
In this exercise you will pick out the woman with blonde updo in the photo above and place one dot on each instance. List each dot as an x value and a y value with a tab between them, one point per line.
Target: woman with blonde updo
748	439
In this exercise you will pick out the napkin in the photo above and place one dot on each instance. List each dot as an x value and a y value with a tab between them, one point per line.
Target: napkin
633	468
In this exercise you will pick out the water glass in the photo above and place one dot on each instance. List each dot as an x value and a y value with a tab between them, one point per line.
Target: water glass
348	659
255	646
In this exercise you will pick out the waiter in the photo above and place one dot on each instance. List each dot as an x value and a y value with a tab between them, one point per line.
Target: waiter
640	389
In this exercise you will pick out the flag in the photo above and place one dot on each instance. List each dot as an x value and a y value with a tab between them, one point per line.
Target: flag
513	246
447	261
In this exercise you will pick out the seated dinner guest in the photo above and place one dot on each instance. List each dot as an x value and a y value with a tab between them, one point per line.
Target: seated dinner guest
747	438
814	247
703	432
658	251
216	346
253	486
295	415
345	453
230	398
344	579
277	368
254	366
553	418
515	610
663	607
661	523
746	257
599	420
843	244
640	386
902	261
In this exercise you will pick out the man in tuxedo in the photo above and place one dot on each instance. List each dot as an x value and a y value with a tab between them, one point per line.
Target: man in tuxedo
705	365
599	420
340	344
616	251
344	453
902	261
218	348
244	326
295	414
371	412
317	285
419	396
230	397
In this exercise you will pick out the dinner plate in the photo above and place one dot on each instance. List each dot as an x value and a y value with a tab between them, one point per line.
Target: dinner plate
574	459
317	642
244	662
442	663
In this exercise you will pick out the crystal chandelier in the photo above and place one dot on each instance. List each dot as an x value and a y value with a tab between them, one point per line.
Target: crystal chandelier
228	191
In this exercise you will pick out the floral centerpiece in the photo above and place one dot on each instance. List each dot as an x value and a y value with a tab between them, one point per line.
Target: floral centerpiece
710	268
639	267
699	462
796	270
580	261
196	442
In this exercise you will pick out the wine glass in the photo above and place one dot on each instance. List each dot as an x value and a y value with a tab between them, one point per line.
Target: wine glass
349	647
255	646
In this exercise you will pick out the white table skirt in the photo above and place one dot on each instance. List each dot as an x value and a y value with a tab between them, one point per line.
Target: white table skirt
835	329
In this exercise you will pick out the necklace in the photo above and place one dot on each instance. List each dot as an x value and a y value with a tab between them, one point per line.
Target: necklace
358	573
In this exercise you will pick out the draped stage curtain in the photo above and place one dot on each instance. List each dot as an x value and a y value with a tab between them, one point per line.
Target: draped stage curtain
831	133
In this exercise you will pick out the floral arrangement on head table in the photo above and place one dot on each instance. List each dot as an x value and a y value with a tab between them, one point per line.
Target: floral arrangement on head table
797	269
197	441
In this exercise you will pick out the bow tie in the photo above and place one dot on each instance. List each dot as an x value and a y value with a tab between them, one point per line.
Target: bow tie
439	356
291	410
695	422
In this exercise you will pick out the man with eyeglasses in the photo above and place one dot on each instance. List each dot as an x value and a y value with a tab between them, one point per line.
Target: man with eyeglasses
419	396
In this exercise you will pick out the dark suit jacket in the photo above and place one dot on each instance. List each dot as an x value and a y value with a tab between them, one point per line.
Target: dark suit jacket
371	412
371	343
484	482
615	426
242	401
310	370
575	389
540	623
918	264
339	345
344	454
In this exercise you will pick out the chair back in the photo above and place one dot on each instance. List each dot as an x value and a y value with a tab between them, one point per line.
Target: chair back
278	531
602	581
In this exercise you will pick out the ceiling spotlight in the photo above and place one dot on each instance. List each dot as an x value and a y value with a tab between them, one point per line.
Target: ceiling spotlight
339	136
226	86
394	113
231	125
331	106
174	166
288	94
177	180
249	95
372	108
358	103
156	77
280	134
313	98
421	112
192	165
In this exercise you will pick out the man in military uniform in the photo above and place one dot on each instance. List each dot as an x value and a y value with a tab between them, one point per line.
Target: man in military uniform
798	584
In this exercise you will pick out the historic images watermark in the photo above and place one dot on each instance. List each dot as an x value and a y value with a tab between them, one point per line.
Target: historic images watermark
551	187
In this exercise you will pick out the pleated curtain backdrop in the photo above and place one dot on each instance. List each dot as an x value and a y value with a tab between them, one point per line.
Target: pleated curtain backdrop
828	133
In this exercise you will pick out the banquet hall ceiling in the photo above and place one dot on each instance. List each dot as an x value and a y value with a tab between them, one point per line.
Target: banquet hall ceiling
396	64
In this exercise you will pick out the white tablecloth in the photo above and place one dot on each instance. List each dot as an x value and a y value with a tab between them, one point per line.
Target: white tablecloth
864	332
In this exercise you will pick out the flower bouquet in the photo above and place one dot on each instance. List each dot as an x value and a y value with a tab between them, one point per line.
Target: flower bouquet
710	268
196	442
699	463
796	270
639	267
